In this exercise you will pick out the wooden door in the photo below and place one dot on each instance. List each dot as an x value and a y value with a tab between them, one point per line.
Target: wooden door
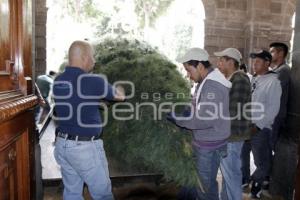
15	44
17	137
8	38
8	173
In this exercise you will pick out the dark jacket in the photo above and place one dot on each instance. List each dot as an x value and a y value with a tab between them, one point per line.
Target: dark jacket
284	73
279	127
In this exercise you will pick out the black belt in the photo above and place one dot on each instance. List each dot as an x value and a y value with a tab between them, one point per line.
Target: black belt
255	126
77	137
259	129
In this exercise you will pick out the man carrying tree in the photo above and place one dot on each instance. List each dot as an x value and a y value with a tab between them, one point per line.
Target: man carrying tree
78	147
210	129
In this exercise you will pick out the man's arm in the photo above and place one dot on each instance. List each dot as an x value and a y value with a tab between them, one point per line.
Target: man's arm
240	94
107	91
272	105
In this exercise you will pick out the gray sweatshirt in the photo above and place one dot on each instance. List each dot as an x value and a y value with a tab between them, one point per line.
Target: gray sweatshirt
265	99
210	123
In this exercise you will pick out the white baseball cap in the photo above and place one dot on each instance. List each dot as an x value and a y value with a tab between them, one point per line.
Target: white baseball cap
230	52
194	54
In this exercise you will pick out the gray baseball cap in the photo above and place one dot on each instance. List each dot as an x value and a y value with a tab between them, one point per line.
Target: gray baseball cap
194	54
230	52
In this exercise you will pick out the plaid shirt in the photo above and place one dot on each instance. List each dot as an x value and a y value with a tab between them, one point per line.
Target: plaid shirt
239	95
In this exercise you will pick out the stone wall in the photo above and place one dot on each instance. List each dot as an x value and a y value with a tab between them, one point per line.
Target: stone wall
247	25
40	36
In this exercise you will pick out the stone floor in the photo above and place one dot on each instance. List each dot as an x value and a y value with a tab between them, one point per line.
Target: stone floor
50	170
137	192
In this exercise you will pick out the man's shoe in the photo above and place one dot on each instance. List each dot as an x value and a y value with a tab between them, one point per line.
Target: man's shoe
256	190
245	184
265	185
265	188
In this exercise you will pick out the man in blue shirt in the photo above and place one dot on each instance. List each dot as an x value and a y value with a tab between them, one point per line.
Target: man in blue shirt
78	148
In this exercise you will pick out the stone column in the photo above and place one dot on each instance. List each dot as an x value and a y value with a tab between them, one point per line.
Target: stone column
295	97
224	25
40	36
257	26
39	44
247	25
267	21
294	109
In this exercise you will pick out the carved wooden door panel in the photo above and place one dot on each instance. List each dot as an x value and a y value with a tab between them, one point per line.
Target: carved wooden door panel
26	41
8	173
5	35
8	41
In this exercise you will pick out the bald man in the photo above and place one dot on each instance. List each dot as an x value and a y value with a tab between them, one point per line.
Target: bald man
78	147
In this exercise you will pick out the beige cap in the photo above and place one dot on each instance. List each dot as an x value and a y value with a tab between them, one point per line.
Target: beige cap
230	52
194	54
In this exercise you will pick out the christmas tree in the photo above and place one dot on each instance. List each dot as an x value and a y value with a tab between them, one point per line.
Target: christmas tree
147	140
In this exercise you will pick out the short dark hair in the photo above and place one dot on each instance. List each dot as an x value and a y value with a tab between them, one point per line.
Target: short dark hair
244	67
52	73
280	46
206	64
195	63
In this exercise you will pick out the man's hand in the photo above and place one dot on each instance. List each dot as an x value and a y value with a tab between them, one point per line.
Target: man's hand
171	117
41	101
120	93
186	113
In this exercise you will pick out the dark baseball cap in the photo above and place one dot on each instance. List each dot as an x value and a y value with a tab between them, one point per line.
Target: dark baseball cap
265	55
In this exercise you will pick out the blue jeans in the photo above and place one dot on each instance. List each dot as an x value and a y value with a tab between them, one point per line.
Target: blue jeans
232	173
208	163
245	157
83	162
261	149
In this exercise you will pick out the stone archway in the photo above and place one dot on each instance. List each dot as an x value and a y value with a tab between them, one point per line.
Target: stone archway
243	24
224	25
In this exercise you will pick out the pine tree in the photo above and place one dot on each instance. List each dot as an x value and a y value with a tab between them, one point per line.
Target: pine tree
144	143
